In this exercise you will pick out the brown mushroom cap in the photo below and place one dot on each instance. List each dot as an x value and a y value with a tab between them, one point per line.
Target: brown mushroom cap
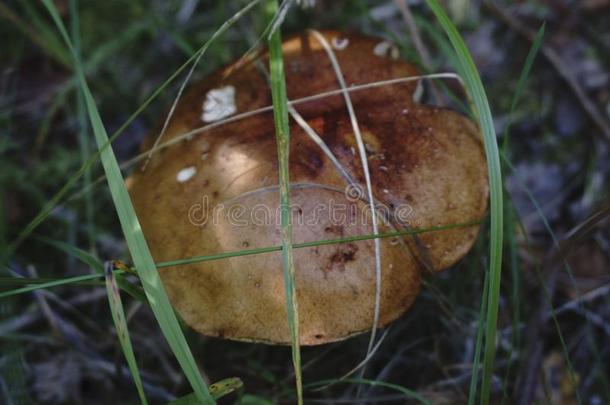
204	195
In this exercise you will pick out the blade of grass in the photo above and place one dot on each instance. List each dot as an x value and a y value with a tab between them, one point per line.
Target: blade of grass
133	234
479	340
545	289
197	259
477	92
511	214
49	284
83	138
91	261
282	135
523	76
120	324
42	36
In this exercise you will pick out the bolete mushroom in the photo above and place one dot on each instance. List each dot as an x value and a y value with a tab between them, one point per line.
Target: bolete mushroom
216	191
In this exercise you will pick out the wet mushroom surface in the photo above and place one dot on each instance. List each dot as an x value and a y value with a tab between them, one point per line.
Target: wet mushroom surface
215	190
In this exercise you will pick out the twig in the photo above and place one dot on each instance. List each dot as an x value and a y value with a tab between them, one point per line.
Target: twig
403	6
575	304
559	65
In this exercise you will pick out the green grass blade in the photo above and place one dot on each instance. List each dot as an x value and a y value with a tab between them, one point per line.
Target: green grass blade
249	399
91	261
132	231
136	291
545	289
321	242
42	35
120	324
477	92
75	252
83	136
523	76
479	342
49	284
511	214
527	66
282	135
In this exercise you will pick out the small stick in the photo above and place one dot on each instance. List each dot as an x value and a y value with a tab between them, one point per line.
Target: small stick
403	6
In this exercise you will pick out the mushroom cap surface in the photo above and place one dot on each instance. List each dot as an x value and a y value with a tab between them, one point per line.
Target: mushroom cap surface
216	191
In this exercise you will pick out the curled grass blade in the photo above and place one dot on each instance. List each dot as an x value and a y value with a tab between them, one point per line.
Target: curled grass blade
132	231
483	112
120	324
280	118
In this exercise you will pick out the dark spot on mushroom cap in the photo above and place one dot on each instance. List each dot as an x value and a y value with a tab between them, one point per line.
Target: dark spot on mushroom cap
345	253
336	229
310	160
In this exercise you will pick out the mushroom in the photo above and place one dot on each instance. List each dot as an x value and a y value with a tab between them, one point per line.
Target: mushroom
216	191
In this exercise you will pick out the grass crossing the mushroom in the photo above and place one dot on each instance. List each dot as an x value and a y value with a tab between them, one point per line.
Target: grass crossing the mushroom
369	189
33	284
282	134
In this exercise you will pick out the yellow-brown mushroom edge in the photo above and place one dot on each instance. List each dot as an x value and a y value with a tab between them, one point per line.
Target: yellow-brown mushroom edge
425	160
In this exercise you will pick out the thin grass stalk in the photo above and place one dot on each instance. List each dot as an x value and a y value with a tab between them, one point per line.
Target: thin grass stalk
120	324
282	135
86	258
472	393
511	214
477	92
83	139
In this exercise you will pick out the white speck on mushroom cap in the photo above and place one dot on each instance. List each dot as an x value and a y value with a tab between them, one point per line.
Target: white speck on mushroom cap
419	92
219	103
186	174
339	43
386	49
